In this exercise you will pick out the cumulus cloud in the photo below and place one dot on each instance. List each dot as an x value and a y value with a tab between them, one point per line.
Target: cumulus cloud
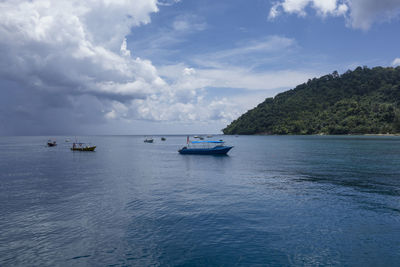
189	71
67	48
323	7
124	50
71	58
363	13
396	62
359	14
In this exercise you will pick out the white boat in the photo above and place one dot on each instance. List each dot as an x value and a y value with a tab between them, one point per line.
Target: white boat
205	148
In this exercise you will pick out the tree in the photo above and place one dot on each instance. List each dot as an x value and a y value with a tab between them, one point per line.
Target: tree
360	101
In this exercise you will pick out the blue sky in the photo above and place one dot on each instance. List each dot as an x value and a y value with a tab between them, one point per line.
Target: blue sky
170	67
225	25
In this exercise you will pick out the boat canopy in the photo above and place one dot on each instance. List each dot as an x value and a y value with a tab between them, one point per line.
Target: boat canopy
82	144
215	142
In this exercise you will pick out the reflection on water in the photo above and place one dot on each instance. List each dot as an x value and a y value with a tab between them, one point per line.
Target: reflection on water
274	200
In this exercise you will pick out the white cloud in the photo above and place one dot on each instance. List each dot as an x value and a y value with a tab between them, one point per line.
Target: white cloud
274	12
111	115
267	51
295	6
257	85
396	62
168	2
363	13
250	80
342	9
227	70
326	7
188	23
323	7
198	110
359	14
189	71
124	50
77	51
181	25
54	44
268	45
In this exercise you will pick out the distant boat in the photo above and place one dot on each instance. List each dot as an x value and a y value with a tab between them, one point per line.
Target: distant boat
205	148
51	142
163	138
209	136
67	140
82	147
149	140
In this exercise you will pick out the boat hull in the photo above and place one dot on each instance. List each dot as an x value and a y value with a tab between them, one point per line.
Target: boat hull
221	150
91	148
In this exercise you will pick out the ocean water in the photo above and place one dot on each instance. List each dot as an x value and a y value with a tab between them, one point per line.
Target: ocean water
273	201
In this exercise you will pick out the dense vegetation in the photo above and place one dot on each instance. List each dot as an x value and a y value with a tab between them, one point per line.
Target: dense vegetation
363	101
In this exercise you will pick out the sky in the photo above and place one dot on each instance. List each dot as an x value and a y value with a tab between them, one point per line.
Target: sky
70	67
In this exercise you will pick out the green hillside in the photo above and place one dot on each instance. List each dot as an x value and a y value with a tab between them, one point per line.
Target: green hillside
363	101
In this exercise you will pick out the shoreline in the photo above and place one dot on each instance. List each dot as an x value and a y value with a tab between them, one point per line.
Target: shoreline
378	134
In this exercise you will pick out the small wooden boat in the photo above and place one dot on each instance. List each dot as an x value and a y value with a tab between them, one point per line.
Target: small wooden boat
149	140
82	147
163	138
51	143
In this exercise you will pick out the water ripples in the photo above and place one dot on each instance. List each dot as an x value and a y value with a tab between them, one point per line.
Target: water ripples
273	201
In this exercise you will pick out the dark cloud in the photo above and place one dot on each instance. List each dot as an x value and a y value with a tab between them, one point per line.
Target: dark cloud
27	112
61	65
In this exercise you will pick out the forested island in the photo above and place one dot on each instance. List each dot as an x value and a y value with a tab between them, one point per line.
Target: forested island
363	101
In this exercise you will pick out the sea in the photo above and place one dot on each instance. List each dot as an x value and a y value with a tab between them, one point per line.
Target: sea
272	201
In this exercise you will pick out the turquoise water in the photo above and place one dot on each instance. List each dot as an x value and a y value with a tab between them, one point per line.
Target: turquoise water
274	201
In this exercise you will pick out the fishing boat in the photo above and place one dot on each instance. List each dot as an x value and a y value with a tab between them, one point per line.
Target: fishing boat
82	147
205	148
163	138
149	140
51	142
